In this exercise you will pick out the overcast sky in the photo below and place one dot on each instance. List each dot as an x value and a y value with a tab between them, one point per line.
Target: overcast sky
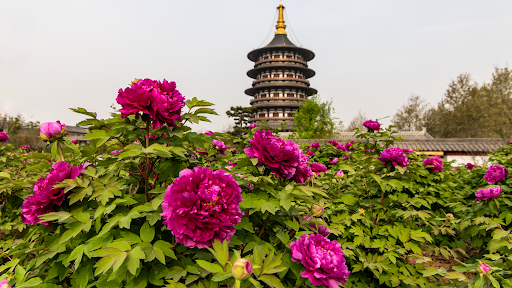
370	55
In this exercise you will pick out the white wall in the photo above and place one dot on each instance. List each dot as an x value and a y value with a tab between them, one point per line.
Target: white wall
461	160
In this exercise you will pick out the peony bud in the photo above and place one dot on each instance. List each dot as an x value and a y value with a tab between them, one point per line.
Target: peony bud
360	210
317	210
450	215
241	270
51	131
4	284
483	268
340	174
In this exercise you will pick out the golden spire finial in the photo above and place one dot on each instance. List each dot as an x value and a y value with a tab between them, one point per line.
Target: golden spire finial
280	23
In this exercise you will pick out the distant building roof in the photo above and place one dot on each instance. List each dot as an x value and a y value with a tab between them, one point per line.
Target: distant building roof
77	129
406	135
478	145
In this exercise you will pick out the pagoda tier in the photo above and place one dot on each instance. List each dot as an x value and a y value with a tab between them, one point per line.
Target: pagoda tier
280	79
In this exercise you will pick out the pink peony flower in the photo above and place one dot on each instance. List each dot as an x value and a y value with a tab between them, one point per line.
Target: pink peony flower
346	147
339	174
25	147
116	151
310	153
253	125
315	145
51	131
3	137
372	125
208	132
345	157
74	142
495	174
220	146
284	158
201	206
395	156
159	100
318	168
470	166
322	259
434	161
334	143
334	161
45	197
486	193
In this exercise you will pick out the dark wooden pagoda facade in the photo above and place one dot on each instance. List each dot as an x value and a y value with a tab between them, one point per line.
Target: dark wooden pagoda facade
280	78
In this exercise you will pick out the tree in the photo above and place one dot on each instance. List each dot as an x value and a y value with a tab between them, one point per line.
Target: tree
357	122
470	110
241	114
314	119
411	117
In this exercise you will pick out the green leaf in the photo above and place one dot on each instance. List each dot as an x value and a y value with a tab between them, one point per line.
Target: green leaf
70	144
147	233
30	283
293	224
271	280
498	234
210	267
134	257
83	111
5	175
222	276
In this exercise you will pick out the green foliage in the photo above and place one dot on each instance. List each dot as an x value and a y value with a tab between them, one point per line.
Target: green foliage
393	224
314	119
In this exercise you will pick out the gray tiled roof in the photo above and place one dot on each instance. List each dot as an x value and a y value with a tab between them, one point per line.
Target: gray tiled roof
453	144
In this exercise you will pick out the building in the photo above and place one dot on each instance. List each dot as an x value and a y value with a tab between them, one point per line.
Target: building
280	76
462	150
77	133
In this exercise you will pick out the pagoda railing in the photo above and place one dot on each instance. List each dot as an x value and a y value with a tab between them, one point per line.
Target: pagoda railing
270	118
280	59
280	79
276	98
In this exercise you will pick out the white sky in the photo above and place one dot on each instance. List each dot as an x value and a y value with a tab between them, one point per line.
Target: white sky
370	55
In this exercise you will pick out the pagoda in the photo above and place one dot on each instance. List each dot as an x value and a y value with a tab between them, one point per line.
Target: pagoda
280	76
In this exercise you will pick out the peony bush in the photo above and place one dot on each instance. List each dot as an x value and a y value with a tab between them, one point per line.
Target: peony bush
149	203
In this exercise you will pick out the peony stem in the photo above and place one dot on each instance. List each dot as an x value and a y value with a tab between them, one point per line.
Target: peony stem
60	151
146	175
300	284
487	282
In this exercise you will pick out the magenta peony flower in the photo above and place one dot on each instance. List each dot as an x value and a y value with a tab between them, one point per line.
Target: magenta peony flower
486	193
470	166
345	157
116	151
25	147
334	161
317	168
74	142
284	158
334	143
303	172
220	146
45	197
346	147
159	100
208	132
372	125
3	137
51	131
253	125
495	174
395	156
201	206
315	145
434	161
322	259
310	153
